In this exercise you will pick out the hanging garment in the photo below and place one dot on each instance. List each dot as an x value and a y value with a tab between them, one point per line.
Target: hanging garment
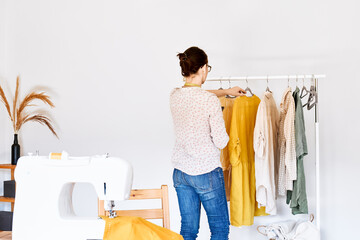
136	228
287	167
298	197
199	129
265	146
243	206
227	107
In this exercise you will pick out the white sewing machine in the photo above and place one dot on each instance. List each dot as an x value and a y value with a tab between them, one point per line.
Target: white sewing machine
43	207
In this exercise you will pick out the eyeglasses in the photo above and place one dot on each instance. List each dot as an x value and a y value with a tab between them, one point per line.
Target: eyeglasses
209	68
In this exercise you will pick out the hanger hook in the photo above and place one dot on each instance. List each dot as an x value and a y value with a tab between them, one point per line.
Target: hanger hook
303	80
229	82
312	79
288	80
267	80
247	83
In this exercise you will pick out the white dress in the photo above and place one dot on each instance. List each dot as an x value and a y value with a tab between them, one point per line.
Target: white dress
266	155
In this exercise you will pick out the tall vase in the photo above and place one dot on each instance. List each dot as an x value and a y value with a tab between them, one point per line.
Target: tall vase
15	151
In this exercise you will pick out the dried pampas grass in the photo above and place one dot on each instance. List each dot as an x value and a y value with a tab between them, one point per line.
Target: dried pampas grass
19	116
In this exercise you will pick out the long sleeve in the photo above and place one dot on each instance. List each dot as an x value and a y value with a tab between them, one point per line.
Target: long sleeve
259	133
217	125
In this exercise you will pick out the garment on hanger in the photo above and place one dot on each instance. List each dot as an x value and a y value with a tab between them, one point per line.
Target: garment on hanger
136	228
287	167
265	147
298	197
243	206
227	106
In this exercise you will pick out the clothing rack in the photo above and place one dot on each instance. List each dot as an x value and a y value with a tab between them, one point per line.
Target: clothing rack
317	139
282	77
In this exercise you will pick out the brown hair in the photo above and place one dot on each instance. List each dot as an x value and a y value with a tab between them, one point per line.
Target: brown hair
192	60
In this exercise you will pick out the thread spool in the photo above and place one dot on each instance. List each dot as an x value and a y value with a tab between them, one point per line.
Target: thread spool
55	156
58	156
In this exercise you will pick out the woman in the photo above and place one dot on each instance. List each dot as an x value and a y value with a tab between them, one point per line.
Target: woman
200	134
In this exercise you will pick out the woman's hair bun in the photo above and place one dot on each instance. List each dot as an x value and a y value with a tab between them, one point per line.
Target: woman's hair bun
182	56
192	60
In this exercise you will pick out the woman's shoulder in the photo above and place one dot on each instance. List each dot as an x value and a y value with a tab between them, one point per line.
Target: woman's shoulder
194	92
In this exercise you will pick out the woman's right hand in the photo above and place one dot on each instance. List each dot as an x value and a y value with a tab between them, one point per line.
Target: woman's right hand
235	91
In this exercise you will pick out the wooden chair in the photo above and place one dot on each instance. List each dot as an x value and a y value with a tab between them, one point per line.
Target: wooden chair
137	194
5	235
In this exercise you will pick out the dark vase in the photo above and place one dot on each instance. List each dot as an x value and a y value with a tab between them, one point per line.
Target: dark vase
15	151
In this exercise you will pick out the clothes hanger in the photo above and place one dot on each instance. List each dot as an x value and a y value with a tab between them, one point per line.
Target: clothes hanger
304	90
313	97
288	81
267	85
247	89
228	96
297	86
221	88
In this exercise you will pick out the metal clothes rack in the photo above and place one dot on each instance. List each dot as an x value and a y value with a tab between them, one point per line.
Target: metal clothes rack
268	77
317	139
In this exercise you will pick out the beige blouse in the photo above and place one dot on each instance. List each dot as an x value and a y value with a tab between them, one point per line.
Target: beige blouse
265	146
287	168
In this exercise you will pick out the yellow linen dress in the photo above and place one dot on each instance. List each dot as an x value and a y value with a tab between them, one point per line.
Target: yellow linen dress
243	206
227	106
136	228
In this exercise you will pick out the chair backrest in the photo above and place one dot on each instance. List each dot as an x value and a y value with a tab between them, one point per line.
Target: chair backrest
137	194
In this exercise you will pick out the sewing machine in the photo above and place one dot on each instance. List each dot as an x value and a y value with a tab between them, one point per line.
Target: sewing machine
43	207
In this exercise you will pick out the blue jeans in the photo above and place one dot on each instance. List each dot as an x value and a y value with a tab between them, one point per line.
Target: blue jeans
208	189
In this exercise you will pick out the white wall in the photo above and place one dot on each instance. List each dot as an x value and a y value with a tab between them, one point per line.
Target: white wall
110	66
2	57
4	173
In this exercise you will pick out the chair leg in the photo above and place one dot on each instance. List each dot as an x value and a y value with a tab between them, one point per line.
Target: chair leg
165	206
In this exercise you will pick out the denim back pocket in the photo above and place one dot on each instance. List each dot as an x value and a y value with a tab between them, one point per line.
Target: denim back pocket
201	182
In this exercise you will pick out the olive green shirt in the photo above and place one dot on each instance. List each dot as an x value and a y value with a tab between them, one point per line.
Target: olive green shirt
298	197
